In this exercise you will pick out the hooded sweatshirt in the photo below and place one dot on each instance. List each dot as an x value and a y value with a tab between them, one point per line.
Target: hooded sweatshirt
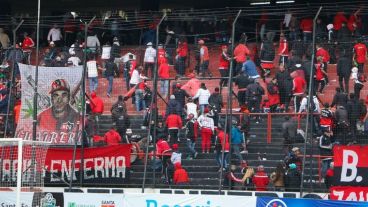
97	105
180	175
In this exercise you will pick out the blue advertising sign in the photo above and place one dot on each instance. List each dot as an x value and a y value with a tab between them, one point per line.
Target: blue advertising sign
289	202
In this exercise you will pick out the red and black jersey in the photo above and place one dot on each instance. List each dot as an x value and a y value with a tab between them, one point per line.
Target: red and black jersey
326	118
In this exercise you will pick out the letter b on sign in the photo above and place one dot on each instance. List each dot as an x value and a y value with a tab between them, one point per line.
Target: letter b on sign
349	169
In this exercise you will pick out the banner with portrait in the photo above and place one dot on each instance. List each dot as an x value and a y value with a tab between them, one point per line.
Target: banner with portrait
58	104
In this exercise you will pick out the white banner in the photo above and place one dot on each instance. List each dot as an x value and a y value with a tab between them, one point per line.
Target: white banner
58	104
93	200
166	200
9	199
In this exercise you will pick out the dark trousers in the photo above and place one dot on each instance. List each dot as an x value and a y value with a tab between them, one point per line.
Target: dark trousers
133	95
344	80
283	60
297	100
204	69
151	66
357	88
238	69
320	85
325	69
174	136
224	73
181	66
242	97
361	67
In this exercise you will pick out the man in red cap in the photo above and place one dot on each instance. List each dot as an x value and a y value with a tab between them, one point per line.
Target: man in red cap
60	116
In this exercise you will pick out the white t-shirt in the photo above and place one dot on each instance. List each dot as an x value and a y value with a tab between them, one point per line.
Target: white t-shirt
54	34
136	78
92	69
75	60
203	96
150	55
192	109
175	158
93	42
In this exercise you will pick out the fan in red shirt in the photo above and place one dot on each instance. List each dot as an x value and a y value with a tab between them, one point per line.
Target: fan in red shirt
360	54
164	75
174	123
97	105
320	76
112	137
306	25
182	52
27	43
355	19
338	20
299	86
283	50
224	64
260	179
180	175
326	118
161	54
273	95
240	52
321	52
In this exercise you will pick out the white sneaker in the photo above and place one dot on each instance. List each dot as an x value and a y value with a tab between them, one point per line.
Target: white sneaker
244	152
143	127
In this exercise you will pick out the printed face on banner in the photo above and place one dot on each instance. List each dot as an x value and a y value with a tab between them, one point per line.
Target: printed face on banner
58	104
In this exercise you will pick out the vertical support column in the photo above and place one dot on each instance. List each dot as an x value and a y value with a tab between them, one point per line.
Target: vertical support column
12	80
269	128
229	104
35	95
19	171
310	99
152	108
83	97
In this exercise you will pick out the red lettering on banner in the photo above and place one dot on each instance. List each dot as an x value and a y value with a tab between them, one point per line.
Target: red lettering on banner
349	193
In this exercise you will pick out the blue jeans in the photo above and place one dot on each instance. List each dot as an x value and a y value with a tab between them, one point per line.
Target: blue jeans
224	163
93	84
202	107
109	87
307	37
164	88
139	102
236	150
191	149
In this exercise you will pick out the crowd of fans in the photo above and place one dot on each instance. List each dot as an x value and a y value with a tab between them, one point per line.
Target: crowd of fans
261	86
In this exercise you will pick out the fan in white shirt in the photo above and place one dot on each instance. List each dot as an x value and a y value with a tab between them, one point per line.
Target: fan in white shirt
54	34
150	54
74	59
